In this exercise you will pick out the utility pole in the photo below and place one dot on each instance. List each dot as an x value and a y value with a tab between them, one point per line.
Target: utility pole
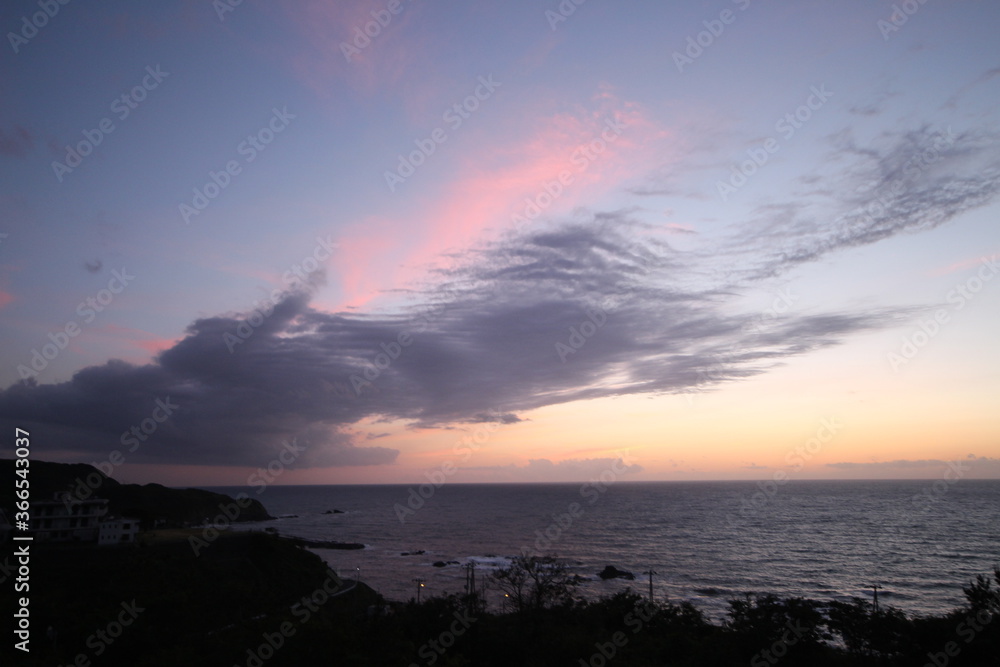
875	588
357	593
470	582
651	572
420	584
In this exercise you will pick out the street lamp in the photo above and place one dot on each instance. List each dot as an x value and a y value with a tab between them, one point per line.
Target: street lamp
420	584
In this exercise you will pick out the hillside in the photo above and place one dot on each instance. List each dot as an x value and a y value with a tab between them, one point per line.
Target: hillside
161	605
147	502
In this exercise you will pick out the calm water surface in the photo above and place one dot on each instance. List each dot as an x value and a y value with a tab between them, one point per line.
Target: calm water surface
708	541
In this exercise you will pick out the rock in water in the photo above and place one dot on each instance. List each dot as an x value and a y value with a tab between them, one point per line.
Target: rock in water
612	572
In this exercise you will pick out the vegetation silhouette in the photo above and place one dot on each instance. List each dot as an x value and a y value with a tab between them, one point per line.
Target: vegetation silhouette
228	605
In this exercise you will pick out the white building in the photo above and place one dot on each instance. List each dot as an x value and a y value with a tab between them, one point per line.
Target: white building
118	530
67	520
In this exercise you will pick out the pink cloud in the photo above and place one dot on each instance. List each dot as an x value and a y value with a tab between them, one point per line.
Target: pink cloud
581	156
368	260
5	298
140	339
156	345
964	264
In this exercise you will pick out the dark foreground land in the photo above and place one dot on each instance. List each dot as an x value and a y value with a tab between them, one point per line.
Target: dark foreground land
253	599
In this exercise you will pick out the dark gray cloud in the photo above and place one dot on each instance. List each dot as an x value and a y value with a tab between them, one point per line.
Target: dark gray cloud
548	315
94	266
559	314
906	181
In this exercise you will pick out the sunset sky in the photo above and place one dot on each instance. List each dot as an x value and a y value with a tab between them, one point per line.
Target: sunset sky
527	239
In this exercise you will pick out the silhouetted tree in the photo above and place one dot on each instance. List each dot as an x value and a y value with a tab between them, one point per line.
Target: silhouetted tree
981	595
535	582
768	627
868	633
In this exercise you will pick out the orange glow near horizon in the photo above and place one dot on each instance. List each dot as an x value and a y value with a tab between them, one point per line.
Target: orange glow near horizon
672	437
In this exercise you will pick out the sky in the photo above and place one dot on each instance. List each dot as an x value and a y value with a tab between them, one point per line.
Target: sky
408	241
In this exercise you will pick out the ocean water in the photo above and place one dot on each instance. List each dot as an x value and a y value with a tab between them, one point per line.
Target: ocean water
706	541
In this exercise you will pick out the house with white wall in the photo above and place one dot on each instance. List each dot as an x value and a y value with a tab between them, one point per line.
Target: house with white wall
67	519
118	530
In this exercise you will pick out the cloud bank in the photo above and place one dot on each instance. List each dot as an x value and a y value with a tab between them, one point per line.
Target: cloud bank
594	308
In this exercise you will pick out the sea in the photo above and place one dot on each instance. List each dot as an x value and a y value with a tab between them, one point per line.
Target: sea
704	542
